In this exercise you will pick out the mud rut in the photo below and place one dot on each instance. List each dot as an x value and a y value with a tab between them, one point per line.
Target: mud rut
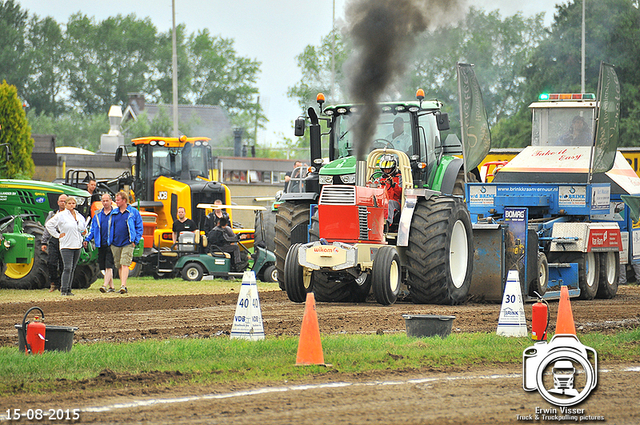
440	398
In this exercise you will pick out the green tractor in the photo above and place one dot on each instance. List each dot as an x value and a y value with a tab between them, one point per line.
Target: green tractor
32	201
16	247
433	165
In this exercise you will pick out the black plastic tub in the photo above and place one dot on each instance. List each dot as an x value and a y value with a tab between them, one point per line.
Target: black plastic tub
425	325
56	338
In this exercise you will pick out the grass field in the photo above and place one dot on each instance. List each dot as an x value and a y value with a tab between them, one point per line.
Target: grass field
224	360
139	286
220	359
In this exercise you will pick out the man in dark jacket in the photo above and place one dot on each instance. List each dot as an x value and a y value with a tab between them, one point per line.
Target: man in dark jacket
222	238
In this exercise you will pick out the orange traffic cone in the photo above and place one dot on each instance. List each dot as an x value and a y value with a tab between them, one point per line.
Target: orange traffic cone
564	322
310	347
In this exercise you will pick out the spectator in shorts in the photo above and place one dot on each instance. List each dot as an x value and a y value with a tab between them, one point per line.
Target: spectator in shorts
68	226
100	228
126	232
52	247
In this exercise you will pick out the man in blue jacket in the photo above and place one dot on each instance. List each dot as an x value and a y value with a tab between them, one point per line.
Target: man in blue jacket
100	230
126	232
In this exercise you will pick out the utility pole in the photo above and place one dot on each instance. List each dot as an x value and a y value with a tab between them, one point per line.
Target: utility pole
583	55
255	141
333	51
174	73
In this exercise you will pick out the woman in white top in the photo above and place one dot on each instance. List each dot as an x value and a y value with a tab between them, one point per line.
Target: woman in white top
68	227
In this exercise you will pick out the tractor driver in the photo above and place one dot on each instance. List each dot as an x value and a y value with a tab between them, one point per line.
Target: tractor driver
398	138
391	180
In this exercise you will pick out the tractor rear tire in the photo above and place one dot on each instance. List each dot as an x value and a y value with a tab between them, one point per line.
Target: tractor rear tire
294	282
314	228
292	221
85	275
361	288
609	274
333	288
28	276
386	276
266	220
440	251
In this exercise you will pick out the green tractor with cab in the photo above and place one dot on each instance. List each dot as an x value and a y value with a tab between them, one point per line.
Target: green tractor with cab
433	223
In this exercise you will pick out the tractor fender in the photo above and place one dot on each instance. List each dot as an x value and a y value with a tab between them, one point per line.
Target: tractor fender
411	197
450	176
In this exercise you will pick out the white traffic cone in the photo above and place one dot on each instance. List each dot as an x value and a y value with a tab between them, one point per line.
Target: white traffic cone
247	322
512	321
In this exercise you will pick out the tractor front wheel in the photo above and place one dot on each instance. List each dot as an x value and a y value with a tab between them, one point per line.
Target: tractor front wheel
295	282
385	276
440	251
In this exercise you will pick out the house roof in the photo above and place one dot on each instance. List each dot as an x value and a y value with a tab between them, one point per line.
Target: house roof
201	120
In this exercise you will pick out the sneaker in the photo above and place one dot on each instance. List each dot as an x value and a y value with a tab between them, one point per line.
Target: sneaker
103	289
68	294
123	290
111	290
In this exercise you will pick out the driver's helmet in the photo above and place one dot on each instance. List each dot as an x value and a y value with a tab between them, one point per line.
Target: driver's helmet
388	164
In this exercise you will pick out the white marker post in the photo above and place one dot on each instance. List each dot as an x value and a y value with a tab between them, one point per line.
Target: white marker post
512	321
247	322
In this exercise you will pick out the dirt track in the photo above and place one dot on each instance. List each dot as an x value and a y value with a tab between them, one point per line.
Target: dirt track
115	317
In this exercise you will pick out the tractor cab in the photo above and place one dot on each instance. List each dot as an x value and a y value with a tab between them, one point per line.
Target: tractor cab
412	128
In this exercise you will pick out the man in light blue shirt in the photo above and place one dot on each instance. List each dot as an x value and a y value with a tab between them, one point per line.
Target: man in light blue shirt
399	139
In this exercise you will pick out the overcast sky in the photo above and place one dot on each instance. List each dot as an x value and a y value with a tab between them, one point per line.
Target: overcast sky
273	32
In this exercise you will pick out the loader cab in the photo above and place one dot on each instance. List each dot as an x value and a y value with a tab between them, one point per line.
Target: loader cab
172	172
178	159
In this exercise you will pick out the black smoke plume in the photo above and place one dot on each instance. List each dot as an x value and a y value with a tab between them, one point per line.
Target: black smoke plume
383	33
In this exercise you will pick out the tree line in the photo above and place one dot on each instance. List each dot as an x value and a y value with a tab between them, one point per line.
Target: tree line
516	58
68	75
